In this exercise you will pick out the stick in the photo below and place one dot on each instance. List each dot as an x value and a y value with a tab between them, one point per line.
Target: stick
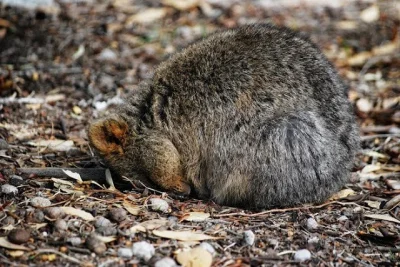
95	174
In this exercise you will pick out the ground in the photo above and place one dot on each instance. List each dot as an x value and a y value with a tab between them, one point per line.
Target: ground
65	64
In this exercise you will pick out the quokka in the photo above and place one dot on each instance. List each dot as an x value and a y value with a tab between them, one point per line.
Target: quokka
254	117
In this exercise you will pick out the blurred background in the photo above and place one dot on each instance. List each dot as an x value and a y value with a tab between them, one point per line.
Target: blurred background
66	61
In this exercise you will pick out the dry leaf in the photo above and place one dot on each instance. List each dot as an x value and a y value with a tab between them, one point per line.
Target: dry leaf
183	235
55	145
370	14
383	217
181	5
148	225
364	105
386	49
147	16
59	183
15	253
73	175
392	203
359	59
37	226
370	168
373	204
346	25
375	154
6	244
342	194
79	213
195	216
196	257
106	239
394	184
8	227
131	208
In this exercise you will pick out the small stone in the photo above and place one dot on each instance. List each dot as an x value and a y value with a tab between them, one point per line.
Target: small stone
16	180
96	245
9	221
107	230
208	247
19	236
312	224
54	212
313	240
40	202
125	253
75	241
61	225
143	250
118	214
107	55
3	144
358	210
9	189
102	222
158	204
249	237
302	255
38	216
165	262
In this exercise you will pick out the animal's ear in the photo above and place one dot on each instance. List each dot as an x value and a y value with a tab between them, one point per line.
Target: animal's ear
108	135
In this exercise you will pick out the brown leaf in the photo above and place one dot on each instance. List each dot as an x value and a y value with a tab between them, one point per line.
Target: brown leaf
183	235
196	257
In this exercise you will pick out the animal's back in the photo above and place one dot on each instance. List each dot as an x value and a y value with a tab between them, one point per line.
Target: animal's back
257	114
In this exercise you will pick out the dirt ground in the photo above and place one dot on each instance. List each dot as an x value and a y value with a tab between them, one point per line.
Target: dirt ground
62	66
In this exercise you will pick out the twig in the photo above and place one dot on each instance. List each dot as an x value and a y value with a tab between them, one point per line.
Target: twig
53	251
283	210
369	137
95	174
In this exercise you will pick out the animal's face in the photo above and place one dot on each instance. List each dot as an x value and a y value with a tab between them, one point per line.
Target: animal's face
113	141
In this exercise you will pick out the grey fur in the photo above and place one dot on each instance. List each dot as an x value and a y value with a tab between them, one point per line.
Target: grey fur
254	117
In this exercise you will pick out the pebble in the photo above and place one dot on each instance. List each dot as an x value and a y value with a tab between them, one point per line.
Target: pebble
38	216
343	218
19	236
358	210
208	247
61	225
8	220
125	253
313	240
143	250
312	224
118	214
107	230
54	212
165	262
96	245
9	189
107	54
158	204
102	222
40	202
249	237
302	255
16	180
3	144
75	241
